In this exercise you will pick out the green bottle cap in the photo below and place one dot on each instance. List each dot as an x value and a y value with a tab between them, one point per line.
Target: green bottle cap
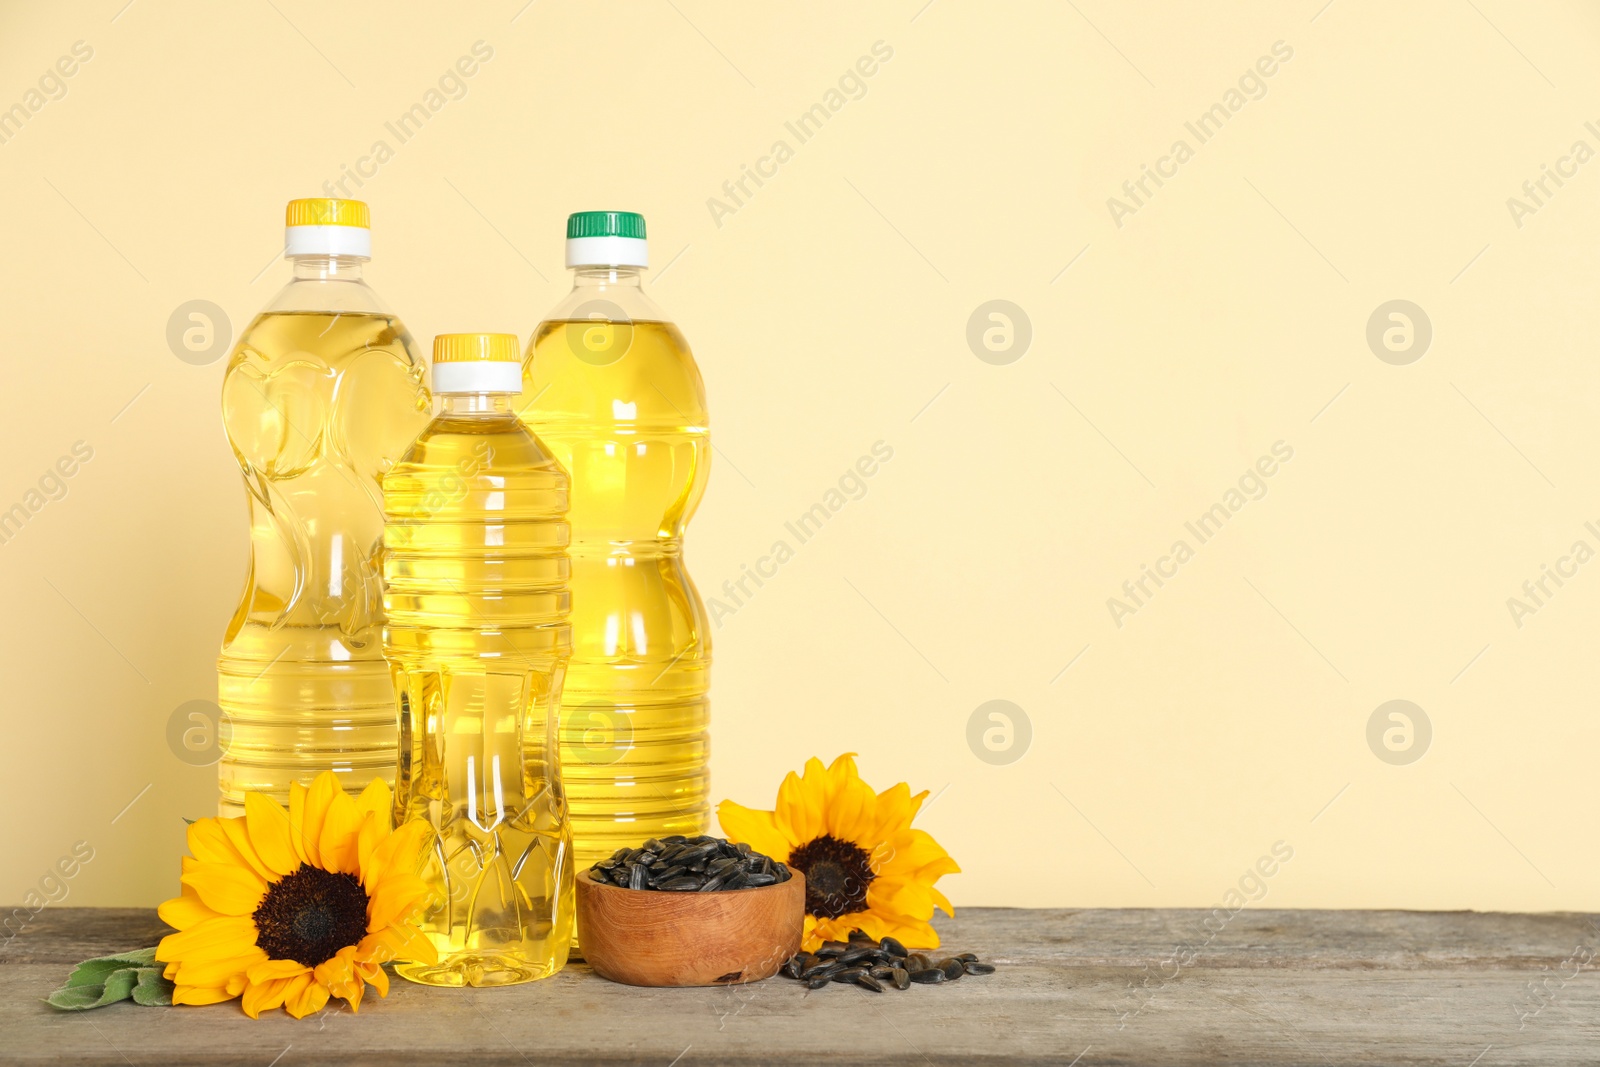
605	224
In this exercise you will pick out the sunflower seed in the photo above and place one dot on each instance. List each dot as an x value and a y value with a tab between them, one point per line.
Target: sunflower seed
680	885
712	863
875	965
822	969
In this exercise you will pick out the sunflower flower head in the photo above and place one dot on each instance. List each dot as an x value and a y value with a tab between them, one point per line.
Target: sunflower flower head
865	867
288	908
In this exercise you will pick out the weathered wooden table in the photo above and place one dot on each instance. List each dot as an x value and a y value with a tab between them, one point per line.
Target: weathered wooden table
1074	987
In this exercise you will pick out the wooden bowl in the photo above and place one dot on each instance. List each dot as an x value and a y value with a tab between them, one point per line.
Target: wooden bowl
725	937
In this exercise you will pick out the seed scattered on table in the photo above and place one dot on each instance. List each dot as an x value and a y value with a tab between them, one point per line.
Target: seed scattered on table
679	864
876	965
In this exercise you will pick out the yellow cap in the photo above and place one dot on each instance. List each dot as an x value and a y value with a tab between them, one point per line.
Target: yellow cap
323	211
477	348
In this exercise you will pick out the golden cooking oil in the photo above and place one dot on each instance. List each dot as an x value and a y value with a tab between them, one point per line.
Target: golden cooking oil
478	637
322	393
611	387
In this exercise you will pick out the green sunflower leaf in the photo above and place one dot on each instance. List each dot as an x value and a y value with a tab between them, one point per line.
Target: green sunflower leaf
152	990
109	979
94	972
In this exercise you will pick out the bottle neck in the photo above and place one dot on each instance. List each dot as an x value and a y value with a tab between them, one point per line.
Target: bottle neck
603	278
328	268
475	403
615	293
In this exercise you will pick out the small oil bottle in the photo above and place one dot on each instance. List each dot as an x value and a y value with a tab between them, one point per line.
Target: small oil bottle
478	637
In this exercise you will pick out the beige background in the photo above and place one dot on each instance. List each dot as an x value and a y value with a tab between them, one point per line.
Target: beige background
830	311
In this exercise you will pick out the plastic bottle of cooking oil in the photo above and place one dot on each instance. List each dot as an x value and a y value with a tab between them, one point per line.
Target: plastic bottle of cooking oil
478	636
323	392
610	386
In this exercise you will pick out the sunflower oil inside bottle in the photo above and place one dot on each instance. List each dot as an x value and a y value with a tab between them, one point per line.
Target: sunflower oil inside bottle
322	393
478	638
611	387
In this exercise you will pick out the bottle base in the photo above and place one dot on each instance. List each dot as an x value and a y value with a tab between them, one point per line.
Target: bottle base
476	970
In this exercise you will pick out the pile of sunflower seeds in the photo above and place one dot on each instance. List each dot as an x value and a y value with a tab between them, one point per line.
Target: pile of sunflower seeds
679	864
870	964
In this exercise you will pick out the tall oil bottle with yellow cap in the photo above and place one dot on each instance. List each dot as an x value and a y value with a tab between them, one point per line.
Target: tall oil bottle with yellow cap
323	392
478	636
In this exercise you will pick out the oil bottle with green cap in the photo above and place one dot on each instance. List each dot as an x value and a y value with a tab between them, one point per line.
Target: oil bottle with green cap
610	386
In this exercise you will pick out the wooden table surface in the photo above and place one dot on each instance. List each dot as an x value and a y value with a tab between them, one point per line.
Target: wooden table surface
1073	987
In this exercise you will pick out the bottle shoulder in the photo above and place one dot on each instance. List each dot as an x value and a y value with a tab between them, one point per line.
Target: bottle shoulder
640	373
339	295
472	445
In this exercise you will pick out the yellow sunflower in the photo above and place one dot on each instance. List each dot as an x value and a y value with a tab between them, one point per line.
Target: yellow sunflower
288	908
865	867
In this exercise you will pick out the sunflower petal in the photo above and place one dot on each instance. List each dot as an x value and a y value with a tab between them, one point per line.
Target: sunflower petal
396	899
378	799
303	999
226	888
219	938
397	943
340	844
186	994
270	833
239	837
338	970
893	810
353	996
217	972
841	770
209	842
182	912
802	802
852	812
272	970
318	798
264	996
297	821
757	829
401	852
374	829
375	976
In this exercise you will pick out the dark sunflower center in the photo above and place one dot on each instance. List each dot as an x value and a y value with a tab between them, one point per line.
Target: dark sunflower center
310	915
837	875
